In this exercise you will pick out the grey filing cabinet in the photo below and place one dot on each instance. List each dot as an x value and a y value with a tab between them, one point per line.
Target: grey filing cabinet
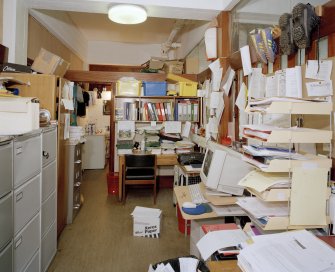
74	176
27	158
49	196
6	204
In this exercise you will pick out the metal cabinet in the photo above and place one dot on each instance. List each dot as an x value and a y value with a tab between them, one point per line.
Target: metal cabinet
74	176
49	197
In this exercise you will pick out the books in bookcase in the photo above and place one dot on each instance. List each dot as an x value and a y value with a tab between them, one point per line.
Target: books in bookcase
187	110
157	111
128	111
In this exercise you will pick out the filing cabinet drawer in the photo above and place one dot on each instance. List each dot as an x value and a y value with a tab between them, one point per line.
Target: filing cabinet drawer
6	258
48	215
49	180
49	146
6	220
77	152
34	264
27	201
6	167
48	247
26	243
27	158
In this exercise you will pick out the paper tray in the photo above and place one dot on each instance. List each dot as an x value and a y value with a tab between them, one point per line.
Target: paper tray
272	195
321	108
298	136
287	165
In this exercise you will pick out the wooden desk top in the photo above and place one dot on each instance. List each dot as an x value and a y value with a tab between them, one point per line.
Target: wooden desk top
223	266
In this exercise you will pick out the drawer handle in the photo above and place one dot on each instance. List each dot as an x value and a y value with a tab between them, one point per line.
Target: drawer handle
76	207
19	196
77	162
18	242
18	150
45	154
77	184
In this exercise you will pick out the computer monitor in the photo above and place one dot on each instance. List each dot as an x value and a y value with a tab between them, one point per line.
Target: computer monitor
223	168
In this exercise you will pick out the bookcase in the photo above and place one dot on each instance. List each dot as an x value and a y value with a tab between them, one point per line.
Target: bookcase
307	195
156	108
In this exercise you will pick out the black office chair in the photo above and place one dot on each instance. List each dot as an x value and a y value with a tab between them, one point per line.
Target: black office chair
139	170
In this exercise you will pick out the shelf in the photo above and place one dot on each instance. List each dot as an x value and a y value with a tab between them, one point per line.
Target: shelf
289	107
277	165
295	135
157	97
272	195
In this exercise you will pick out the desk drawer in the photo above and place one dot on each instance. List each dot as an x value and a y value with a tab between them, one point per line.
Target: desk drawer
34	264
6	220
49	180
48	213
26	243
6	168
27	158
49	145
6	258
167	159
27	201
48	247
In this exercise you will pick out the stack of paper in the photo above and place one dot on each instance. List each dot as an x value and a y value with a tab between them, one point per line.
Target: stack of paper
184	146
293	251
168	147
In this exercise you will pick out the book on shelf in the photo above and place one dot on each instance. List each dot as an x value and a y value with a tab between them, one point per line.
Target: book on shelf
159	111
186	110
130	111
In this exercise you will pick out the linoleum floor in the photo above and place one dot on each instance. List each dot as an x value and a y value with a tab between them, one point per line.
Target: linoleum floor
100	238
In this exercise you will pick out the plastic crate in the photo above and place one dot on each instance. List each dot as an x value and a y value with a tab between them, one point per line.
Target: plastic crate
128	88
187	88
154	88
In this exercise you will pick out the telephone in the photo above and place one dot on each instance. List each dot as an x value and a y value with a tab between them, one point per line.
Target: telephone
191	158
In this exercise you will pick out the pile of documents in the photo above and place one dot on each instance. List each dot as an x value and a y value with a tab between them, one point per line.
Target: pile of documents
168	147
181	264
262	211
184	146
152	142
294	251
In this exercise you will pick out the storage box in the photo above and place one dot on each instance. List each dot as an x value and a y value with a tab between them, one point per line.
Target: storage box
14	68
49	63
128	87
174	66
187	88
147	222
18	115
154	88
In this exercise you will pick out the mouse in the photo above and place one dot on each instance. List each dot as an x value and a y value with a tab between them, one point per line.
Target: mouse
189	205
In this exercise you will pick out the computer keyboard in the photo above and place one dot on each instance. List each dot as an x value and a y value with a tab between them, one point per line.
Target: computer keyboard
196	194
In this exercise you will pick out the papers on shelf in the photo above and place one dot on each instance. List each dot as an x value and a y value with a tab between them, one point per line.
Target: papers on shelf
261	132
215	99
274	152
320	88
216	240
216	74
260	209
246	60
172	126
293	82
260	181
292	251
210	43
227	210
228	80
256	84
241	98
319	70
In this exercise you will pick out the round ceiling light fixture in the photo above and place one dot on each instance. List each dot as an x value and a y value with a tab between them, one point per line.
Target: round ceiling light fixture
127	14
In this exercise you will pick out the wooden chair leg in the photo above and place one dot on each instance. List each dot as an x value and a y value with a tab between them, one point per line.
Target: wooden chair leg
155	192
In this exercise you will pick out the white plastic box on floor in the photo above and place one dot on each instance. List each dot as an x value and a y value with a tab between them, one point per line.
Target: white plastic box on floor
147	222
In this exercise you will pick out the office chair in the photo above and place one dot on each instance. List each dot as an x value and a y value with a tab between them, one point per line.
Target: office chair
139	170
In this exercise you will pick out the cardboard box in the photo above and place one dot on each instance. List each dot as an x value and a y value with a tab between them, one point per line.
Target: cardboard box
147	222
49	63
174	67
156	63
18	115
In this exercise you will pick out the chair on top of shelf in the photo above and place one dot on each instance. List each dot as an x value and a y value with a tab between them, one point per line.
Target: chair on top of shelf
139	170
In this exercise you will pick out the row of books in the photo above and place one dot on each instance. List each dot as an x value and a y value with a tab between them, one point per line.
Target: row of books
128	112
159	111
187	110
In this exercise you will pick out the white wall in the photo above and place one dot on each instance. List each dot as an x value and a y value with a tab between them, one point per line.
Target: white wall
190	39
121	53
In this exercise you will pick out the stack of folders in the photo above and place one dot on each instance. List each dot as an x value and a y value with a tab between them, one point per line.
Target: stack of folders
293	251
261	156
184	146
261	211
177	265
168	147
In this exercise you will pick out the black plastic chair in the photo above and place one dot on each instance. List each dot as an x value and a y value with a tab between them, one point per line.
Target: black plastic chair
139	170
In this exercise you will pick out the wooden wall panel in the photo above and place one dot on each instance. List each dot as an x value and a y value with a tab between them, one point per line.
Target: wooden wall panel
39	36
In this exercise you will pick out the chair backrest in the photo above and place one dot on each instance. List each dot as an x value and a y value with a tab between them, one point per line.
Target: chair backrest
140	160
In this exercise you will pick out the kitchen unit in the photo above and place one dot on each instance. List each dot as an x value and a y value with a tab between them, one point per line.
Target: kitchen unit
73	178
6	204
94	152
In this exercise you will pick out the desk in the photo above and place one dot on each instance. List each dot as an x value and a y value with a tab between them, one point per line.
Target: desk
223	266
162	160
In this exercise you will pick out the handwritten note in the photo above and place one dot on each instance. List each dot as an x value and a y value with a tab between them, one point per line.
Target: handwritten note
319	70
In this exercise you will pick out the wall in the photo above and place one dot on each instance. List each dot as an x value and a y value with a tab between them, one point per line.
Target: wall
39	37
121	53
1	20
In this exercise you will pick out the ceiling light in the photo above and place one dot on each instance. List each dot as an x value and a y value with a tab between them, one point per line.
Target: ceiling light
127	14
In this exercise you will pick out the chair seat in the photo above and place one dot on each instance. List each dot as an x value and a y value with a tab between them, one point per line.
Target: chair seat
140	173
